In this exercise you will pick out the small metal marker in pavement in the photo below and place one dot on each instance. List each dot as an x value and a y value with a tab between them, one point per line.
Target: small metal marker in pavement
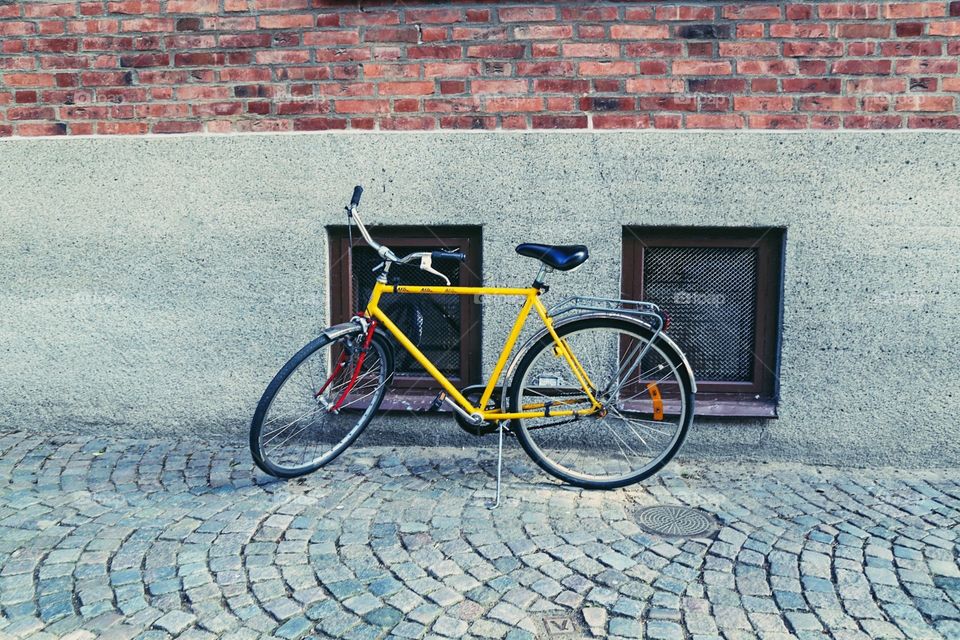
675	521
560	626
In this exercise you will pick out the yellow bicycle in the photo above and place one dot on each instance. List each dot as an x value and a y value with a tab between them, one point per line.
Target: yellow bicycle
600	397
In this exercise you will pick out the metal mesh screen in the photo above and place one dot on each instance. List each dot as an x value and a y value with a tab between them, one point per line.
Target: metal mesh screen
431	322
710	296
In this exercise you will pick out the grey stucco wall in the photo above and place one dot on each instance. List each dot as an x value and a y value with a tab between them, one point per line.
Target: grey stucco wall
154	285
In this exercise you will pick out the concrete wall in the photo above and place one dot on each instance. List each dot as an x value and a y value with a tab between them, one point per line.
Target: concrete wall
154	285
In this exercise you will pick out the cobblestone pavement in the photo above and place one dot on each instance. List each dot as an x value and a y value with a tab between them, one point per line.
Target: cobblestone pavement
153	539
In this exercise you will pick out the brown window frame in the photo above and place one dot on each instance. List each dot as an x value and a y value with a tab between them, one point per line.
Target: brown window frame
759	397
416	391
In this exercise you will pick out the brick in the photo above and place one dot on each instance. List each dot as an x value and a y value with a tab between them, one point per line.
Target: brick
29	79
639	32
527	14
914	49
192	6
849	10
800	30
776	121
872	122
777	67
862	67
748	49
245	40
941	66
451	69
615	68
898	10
514	104
827	103
41	129
560	85
145	60
765	103
946	28
49	10
668	103
621	121
685	12
933	122
557	68
705	31
655	85
285	21
148	24
863	30
448	52
17	28
714	121
434	16
397	34
54	45
496	51
812	49
925	103
812	85
591	50
589	13
544	32
499	86
714	85
406	88
701	68
758	11
877	85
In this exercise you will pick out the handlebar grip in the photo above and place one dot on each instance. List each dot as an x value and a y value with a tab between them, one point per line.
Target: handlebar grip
448	255
357	192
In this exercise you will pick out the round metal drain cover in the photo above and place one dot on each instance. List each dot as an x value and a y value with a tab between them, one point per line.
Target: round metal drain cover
673	520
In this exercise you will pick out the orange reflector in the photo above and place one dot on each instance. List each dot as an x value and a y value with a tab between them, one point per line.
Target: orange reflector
654	391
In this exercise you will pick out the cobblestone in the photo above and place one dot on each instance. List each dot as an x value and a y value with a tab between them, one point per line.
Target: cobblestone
157	539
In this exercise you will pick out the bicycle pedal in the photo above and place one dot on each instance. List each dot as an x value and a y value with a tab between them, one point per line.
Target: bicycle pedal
438	401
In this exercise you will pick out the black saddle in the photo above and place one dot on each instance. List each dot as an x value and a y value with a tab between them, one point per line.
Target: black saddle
561	258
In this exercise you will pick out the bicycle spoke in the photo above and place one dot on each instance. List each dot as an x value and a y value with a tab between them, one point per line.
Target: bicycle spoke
618	443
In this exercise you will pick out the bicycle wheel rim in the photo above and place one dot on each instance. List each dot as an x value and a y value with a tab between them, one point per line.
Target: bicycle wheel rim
296	431
628	443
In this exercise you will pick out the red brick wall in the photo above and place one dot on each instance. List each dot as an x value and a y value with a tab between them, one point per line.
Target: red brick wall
161	66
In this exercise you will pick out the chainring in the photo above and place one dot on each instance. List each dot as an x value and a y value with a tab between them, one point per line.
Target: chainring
473	394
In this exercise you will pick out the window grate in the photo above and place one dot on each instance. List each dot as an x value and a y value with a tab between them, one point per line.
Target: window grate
432	322
710	294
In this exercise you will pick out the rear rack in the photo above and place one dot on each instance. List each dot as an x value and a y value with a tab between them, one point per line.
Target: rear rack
647	312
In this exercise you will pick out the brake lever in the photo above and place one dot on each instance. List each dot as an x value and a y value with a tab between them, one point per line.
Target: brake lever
426	262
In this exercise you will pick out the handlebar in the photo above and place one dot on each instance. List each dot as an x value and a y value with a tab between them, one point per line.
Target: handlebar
355	200
448	255
384	252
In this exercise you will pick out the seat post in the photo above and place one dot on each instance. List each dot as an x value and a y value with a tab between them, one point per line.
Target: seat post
541	280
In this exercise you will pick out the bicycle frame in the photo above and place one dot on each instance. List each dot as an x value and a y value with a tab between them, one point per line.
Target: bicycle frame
531	301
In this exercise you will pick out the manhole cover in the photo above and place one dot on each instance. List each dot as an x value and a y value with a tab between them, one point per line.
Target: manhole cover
672	520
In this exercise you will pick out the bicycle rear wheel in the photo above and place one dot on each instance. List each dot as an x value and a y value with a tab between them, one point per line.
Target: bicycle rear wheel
647	403
319	402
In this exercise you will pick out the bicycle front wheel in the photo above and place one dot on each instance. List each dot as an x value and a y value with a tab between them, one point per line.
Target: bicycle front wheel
645	391
319	402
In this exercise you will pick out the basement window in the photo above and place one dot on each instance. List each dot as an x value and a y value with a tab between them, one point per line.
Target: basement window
445	327
722	289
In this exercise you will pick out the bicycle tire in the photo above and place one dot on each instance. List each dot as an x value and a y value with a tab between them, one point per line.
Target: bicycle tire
535	450
262	457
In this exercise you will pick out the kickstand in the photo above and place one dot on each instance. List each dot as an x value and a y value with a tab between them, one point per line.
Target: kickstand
496	503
